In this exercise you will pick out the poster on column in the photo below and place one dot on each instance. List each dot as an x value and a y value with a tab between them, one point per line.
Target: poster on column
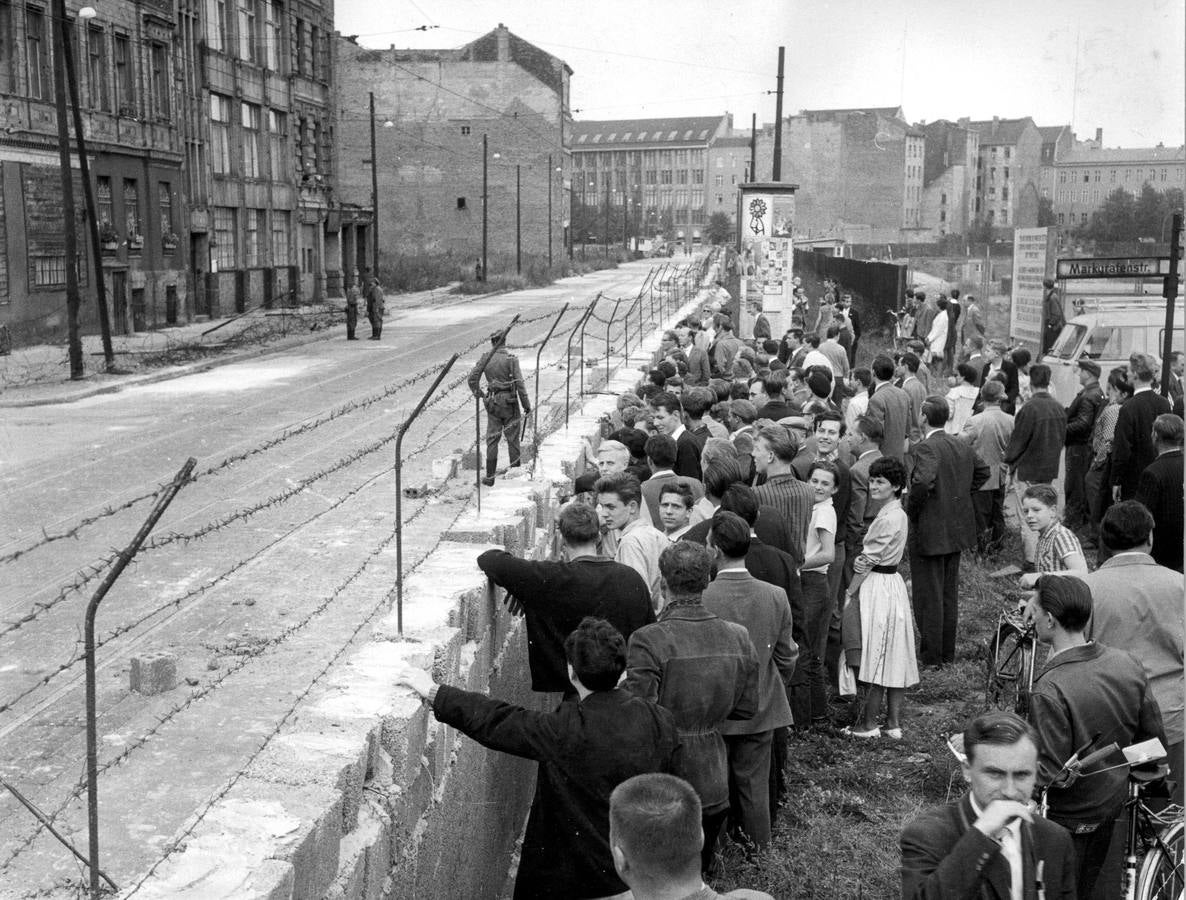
766	218
1034	251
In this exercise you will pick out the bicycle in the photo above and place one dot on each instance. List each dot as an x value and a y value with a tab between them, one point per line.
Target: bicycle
1012	662
1154	839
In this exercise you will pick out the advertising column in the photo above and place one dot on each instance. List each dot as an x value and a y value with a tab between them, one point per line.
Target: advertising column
765	218
1033	260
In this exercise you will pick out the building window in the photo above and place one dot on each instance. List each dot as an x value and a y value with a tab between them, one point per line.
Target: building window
1112	176
1008	151
7	49
220	133
37	55
125	76
1004	217
165	207
1097	174
104	206
1083	218
276	135
159	58
49	271
697	176
1086	177
465	129
280	238
1062	177
132	208
681	176
252	220
273	16
216	25
96	48
942	215
650	176
1060	219
665	177
224	237
247	38
1164	174
697	198
251	151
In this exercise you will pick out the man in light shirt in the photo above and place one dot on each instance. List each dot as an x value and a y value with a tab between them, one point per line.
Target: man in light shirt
619	497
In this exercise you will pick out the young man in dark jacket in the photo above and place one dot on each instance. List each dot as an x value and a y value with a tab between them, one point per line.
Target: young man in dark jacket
1080	425
585	749
556	595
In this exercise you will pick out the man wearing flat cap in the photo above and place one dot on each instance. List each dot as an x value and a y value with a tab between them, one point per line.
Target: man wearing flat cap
505	393
1081	416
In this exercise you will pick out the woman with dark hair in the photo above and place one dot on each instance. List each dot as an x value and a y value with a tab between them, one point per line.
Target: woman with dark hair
887	661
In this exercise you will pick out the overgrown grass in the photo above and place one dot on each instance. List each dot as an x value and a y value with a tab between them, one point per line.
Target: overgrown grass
837	832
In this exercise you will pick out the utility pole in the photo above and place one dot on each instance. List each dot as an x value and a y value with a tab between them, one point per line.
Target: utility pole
518	226
87	193
73	301
572	217
485	165
549	210
1171	298
374	195
607	185
778	118
753	147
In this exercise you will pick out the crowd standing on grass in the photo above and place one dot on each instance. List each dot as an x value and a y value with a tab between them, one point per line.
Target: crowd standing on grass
730	579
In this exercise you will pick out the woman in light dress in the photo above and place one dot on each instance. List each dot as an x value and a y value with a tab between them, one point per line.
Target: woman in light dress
888	665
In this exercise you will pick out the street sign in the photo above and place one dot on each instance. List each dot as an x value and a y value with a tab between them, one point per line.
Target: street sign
1118	267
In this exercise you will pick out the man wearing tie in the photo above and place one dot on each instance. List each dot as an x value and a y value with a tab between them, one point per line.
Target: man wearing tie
990	844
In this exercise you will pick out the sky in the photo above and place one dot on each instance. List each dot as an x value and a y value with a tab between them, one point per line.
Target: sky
1091	63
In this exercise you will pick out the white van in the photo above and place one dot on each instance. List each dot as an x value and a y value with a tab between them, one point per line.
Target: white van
1108	330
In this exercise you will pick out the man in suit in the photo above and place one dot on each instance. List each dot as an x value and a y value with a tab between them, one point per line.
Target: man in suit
1039	432
661	453
1137	606
989	432
1080	425
1000	360
1177	369
668	418
555	596
990	844
944	471
736	596
908	371
1132	442
1160	489
890	407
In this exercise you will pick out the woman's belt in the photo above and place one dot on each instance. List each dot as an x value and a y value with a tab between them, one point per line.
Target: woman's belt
886	570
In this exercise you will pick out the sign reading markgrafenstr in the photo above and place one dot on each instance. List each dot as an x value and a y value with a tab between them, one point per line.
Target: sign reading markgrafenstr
1033	260
1117	267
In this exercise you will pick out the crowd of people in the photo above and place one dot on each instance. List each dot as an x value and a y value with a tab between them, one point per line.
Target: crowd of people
728	575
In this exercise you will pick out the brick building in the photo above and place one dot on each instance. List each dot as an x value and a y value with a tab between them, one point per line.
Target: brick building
1008	173
859	171
728	168
257	129
432	108
1085	175
127	94
1056	141
657	169
949	177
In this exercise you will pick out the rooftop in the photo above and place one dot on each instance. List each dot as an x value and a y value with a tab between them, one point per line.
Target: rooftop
1000	131
619	132
1079	155
891	112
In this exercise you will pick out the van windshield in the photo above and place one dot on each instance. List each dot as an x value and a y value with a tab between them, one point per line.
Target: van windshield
1115	342
1068	341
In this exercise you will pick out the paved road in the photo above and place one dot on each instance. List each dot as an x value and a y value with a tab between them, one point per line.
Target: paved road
256	578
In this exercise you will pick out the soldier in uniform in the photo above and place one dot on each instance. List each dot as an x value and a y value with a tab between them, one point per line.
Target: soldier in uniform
505	392
351	312
375	308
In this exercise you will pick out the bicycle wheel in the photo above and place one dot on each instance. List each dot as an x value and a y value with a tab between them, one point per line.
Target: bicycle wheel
1010	670
1161	876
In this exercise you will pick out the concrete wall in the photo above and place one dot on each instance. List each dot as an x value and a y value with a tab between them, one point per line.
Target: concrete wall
363	794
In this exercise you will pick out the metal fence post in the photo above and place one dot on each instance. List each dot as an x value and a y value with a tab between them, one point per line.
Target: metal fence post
583	325
568	356
399	494
539	353
92	726
608	325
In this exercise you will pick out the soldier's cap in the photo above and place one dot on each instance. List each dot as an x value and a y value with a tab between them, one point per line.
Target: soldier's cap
498	336
1091	366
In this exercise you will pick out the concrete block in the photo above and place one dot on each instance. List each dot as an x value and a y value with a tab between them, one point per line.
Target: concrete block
154	673
314	847
445	467
403	737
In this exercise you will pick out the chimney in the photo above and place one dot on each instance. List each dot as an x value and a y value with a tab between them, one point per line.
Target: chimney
996	121
504	43
1099	138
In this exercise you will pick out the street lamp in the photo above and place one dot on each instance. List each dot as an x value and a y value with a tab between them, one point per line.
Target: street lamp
485	159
